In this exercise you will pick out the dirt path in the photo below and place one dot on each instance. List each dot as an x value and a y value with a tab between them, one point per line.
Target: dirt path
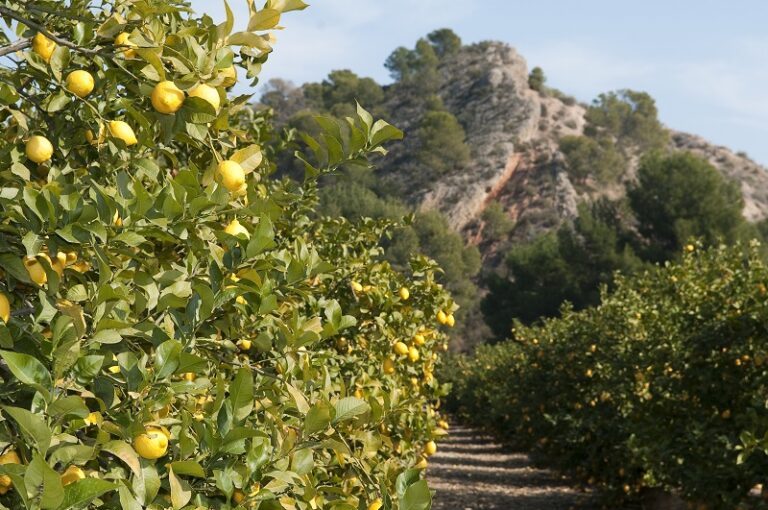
471	472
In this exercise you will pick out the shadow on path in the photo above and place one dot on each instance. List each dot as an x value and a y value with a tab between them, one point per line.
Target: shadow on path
471	472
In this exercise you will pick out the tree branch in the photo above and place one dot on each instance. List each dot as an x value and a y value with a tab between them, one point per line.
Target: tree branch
14	47
39	28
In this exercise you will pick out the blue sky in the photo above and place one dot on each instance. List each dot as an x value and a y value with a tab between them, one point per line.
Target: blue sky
704	61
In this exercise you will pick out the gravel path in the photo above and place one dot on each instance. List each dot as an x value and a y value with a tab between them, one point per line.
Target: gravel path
471	472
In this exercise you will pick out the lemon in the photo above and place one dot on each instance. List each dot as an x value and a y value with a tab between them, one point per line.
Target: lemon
207	93
10	457
359	393
59	263
356	287
152	444
419	339
167	97
39	149
376	504
236	229
122	131
93	418
389	366
443	424
245	345
430	448
229	75
71	475
400	348
117	220
43	46
5	308
35	269
92	139
238	496
80	83
421	464
231	175
413	354
404	294
450	320
123	40
189	376
442	318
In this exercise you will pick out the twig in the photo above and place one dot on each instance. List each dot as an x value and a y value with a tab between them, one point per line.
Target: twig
16	46
39	28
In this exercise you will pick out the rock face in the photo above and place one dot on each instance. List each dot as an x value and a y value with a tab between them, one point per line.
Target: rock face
513	132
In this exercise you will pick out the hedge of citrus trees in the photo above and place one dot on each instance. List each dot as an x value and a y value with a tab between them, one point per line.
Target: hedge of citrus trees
663	385
177	328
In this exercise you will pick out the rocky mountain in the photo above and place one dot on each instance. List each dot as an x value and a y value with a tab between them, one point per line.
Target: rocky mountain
513	132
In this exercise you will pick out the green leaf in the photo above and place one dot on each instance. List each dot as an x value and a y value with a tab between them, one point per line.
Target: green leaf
287	5
416	497
33	426
83	491
249	158
298	397
303	462
29	371
318	418
180	490
167	358
68	406
126	453
264	20
241	394
350	407
188	468
40	478
383	131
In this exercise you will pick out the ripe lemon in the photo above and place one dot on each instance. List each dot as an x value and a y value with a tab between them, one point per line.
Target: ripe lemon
122	131
10	457
376	504
59	263
421	464
404	294
359	393
389	366
5	308
430	448
189	376
152	444
231	175
35	269
43	46
245	345
413	354
167	97
93	418
238	496
236	229
229	75
443	424
442	318
207	93
123	39
450	320
39	149
92	139
419	339
80	83
71	475
400	348
356	287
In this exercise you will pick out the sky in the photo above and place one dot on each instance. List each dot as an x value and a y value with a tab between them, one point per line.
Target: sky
704	61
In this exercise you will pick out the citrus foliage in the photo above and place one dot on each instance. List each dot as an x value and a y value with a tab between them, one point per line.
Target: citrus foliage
178	329
661	385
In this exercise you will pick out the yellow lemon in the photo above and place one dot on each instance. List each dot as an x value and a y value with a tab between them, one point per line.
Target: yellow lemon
400	348
229	75
245	345
59	263
238	496
421	463
359	393
356	287
152	444
5	308
236	229
92	139
442	318
93	418
231	175
117	220
413	354
443	424
389	366
122	131
43	46
189	376
10	457
35	269
430	448
123	39
167	97
376	504
71	475
207	93
80	83
450	320
39	149
419	339
404	294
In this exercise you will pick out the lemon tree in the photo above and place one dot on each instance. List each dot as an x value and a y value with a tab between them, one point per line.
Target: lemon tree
661	386
178	328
